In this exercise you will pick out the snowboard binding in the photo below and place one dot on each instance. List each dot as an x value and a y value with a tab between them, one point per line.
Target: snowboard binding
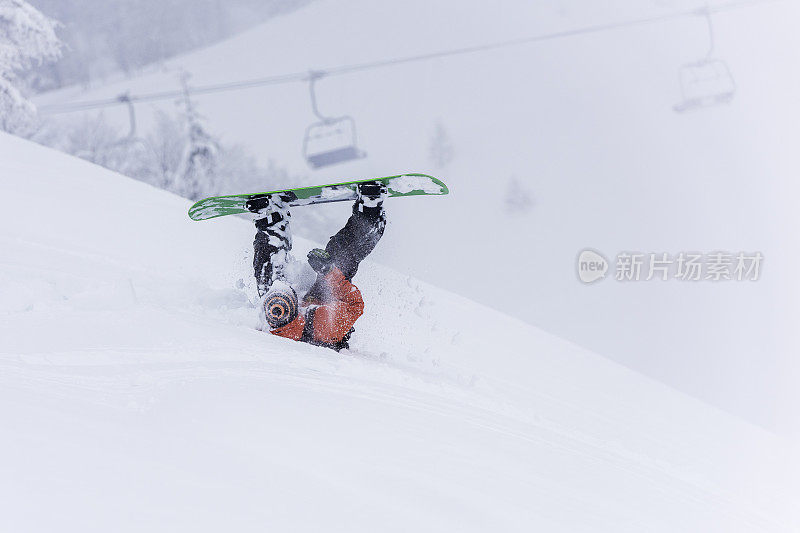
369	198
264	204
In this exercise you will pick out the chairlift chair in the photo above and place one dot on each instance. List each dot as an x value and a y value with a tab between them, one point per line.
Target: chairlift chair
331	141
131	139
125	98
705	83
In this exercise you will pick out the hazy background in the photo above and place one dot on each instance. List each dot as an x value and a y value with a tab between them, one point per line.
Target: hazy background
549	147
123	36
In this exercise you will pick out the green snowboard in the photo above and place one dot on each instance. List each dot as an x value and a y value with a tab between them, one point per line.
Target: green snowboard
401	185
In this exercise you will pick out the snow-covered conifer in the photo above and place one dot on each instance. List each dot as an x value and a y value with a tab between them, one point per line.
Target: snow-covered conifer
518	198
27	39
197	173
440	149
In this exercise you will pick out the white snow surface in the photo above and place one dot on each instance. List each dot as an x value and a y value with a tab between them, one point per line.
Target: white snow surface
136	394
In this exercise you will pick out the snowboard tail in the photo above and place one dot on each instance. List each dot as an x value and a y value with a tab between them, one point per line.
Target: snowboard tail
400	185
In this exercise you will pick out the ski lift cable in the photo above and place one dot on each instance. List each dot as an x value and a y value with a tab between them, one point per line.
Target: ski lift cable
706	10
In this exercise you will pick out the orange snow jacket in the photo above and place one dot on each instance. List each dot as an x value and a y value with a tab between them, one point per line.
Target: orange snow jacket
327	322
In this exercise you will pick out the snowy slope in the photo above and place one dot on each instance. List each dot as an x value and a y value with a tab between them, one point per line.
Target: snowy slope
586	125
136	394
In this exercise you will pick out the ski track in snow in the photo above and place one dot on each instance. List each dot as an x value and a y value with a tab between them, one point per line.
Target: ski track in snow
136	386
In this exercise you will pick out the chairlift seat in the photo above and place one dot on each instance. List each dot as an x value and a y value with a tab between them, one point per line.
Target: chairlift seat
330	142
323	159
705	83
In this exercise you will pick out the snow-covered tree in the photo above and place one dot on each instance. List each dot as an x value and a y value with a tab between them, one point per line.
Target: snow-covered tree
27	39
178	154
440	149
518	198
171	155
166	142
199	163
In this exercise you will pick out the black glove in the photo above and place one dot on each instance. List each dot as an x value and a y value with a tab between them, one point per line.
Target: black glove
320	260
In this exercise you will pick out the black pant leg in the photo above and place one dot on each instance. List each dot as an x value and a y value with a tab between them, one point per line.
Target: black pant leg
262	265
356	239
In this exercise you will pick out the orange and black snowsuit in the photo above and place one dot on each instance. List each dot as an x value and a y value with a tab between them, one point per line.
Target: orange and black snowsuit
327	323
333	304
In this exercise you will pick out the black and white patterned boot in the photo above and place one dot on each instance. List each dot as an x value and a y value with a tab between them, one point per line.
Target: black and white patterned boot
273	240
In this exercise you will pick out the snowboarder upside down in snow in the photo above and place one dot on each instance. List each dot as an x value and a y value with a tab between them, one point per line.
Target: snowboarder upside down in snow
328	310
